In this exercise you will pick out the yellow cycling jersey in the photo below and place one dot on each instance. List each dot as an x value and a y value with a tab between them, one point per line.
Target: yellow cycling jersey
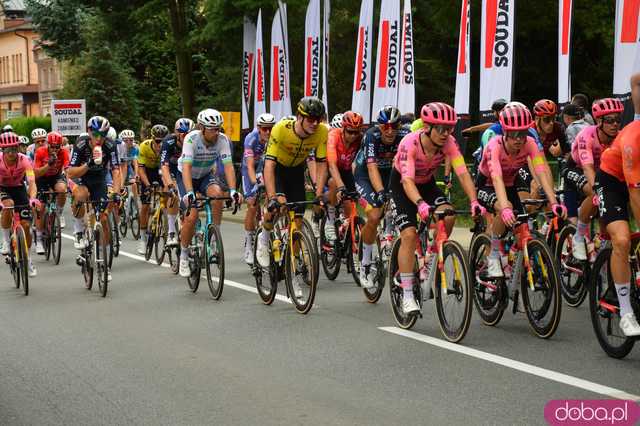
289	150
147	157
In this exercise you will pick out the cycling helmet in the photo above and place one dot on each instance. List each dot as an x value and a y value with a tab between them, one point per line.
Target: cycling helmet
516	103
545	108
266	120
438	113
336	121
515	117
289	117
8	139
184	125
606	106
311	106
498	104
54	138
38	133
97	123
210	118
24	140
112	134
388	115
352	120
7	128
127	134
159	131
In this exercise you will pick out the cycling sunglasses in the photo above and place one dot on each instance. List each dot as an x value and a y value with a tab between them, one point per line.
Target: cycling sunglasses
548	119
352	132
517	135
443	129
390	126
616	119
98	134
10	150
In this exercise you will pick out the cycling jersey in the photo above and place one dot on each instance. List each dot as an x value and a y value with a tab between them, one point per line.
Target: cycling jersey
253	147
202	156
170	153
288	149
31	150
496	129
497	162
147	156
12	176
375	151
411	161
587	148
557	134
622	158
42	159
82	154
126	154
573	129
338	152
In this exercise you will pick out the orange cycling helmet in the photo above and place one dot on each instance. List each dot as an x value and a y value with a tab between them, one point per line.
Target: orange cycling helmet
606	106
544	108
54	138
9	139
352	120
516	118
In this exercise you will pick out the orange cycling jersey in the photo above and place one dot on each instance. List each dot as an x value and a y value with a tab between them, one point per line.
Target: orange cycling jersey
622	158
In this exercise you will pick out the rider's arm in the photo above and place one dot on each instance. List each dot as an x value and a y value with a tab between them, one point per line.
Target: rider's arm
251	170
589	173
495	171
332	158
634	201
269	177
76	167
542	170
123	173
455	161
321	176
230	175
374	177
38	167
31	181
117	179
166	175
477	128
143	175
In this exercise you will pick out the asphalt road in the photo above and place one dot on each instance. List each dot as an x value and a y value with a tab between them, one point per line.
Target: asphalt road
154	353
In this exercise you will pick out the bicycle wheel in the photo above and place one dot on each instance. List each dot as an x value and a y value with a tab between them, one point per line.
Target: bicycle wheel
134	219
151	239
489	295
23	259
573	273
115	235
174	252
13	262
124	221
300	275
604	309
396	292
213	255
266	278
453	302
379	270
46	235
160	238
195	266
329	253
308	230
101	261
87	264
55	239
354	258
543	302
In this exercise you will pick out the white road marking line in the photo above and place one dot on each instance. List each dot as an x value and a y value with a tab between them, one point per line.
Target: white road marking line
227	281
516	365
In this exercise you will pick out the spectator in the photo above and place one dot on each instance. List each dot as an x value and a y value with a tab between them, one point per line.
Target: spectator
573	118
582	100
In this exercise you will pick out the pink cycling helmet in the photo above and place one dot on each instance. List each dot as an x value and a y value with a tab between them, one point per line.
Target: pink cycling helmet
515	117
439	113
606	106
9	139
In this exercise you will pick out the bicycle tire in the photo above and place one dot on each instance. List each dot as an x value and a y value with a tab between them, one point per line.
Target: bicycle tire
151	240
267	295
124	221
549	285
87	266
308	230
56	239
100	253
396	292
134	219
160	238
193	280
46	235
305	244
214	238
13	263
573	285
605	322
354	258
329	253
490	304
115	235
380	270
23	259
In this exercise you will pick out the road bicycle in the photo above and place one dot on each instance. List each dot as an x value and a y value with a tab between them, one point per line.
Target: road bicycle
441	273
158	229
129	215
18	257
93	257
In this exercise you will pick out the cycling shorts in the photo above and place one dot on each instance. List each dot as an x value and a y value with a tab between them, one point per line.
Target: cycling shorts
364	187
614	198
487	196
20	198
407	210
290	183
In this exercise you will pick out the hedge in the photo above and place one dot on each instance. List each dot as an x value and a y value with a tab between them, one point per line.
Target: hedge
24	125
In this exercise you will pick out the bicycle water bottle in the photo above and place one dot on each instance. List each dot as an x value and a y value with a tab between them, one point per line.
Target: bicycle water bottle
275	249
638	279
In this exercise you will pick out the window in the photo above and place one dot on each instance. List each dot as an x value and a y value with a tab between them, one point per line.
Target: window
20	68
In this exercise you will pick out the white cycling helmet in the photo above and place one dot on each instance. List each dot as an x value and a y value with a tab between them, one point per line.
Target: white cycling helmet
184	125
336	121
97	123
127	134
516	103
210	118
24	140
38	133
289	117
112	134
266	120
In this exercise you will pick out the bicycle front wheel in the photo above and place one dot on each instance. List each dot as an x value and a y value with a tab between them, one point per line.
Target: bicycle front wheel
572	272
101	260
214	261
540	288
134	219
23	259
453	295
46	235
266	278
308	230
301	278
195	265
160	238
329	255
396	292
488	294
124	220
354	258
115	235
55	239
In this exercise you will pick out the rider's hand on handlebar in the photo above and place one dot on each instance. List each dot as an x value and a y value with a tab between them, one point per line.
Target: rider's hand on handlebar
273	205
559	210
507	216
423	210
379	199
477	209
189	198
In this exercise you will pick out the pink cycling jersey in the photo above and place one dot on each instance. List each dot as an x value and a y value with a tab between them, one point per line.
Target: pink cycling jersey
586	148
497	162
411	161
14	175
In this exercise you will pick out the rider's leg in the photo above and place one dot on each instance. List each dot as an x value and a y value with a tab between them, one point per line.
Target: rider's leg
80	195
369	232
620	268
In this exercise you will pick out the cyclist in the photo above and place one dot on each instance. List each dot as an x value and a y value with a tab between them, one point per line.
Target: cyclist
618	183
148	172
581	100
572	116
91	157
7	128
15	168
255	144
549	130
342	147
414	189
201	150
372	170
497	189
169	156
50	163
39	138
336	121
128	152
24	144
290	142
580	173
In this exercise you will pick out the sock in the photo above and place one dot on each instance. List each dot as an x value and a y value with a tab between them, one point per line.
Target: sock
495	247
367	251
583	230
623	291
331	214
248	237
78	225
6	234
184	252
143	235
264	237
172	222
406	282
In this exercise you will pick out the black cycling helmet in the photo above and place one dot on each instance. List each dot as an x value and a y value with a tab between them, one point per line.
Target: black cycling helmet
498	105
159	131
388	115
311	106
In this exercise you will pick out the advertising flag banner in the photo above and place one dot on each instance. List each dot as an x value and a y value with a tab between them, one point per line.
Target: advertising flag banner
626	45
325	53
361	100
496	52
280	100
248	63
386	83
565	17
312	50
407	90
260	92
463	71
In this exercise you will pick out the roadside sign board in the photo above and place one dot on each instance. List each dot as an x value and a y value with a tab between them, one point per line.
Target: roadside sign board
69	117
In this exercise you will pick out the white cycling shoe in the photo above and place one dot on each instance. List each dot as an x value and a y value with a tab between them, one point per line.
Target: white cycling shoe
262	254
494	268
579	249
629	325
409	305
184	269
